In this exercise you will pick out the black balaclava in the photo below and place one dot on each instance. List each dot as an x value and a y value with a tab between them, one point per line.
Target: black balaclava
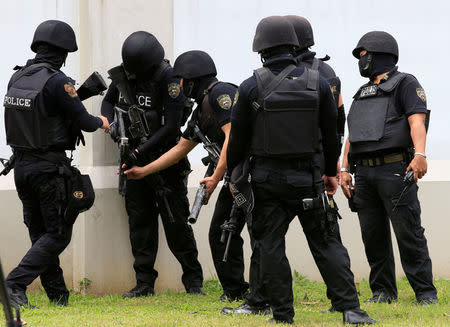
373	64
281	50
194	88
54	56
304	54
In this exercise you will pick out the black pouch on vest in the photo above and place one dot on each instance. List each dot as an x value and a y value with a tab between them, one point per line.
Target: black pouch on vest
80	195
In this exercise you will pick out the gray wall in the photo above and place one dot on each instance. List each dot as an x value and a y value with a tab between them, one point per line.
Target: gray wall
100	248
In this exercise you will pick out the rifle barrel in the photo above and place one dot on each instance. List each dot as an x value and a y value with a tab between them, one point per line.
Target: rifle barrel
198	203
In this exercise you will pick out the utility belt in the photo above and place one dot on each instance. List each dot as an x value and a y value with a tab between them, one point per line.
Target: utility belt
380	158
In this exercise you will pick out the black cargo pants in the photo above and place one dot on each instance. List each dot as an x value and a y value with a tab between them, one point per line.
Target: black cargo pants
279	191
143	206
39	187
376	191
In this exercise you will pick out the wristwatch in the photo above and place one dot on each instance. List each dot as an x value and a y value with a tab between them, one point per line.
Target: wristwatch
345	170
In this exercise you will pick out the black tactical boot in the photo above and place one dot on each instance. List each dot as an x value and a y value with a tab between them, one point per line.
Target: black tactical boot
246	309
18	298
380	298
357	316
61	300
138	291
427	300
195	291
281	321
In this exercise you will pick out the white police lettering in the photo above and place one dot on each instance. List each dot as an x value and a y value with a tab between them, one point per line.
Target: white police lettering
17	102
144	101
368	91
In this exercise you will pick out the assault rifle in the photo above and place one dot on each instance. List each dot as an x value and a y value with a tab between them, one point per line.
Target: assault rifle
8	164
243	202
139	129
230	227
93	85
11	321
211	161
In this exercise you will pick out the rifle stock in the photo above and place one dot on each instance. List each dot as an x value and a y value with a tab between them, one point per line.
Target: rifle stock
93	85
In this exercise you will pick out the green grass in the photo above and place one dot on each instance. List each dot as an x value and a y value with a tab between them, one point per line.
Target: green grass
180	309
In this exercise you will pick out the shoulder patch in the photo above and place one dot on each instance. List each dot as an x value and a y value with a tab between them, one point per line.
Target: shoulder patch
70	89
174	90
236	97
421	94
224	101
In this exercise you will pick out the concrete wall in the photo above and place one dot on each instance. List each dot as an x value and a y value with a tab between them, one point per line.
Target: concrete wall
100	248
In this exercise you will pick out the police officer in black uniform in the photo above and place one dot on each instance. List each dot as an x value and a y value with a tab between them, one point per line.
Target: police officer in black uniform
306	57
280	111
387	136
212	115
332	257
44	117
159	93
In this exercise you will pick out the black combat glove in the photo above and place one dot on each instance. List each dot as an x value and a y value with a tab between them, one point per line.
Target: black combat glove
132	159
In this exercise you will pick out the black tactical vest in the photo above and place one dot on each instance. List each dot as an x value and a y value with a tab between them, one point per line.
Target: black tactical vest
149	97
373	121
28	126
286	117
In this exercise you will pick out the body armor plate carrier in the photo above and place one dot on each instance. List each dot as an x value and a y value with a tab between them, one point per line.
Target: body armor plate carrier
374	122
28	126
286	114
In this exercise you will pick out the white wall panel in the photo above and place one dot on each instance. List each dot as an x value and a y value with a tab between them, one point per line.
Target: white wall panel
225	29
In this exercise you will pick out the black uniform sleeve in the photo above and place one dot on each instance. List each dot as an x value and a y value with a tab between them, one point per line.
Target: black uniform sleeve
221	100
60	96
109	101
411	96
328	127
241	123
173	100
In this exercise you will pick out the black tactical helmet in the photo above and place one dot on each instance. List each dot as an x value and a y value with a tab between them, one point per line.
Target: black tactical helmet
273	31
193	64
377	41
141	51
56	33
303	30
